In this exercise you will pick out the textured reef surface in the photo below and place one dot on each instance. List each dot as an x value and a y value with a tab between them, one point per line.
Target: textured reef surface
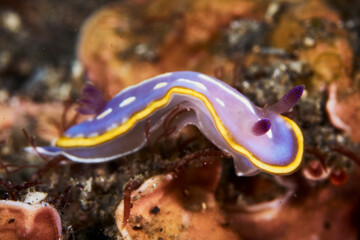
178	186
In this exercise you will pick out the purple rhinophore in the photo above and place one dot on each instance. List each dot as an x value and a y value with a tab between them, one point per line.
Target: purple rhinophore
92	101
286	103
261	127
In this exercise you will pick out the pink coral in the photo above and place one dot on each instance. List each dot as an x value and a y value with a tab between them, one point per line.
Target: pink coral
176	206
21	221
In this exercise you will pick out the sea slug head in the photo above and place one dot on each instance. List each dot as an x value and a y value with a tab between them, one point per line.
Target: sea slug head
285	104
271	142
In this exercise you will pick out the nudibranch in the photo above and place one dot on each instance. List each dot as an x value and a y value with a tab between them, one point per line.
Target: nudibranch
257	138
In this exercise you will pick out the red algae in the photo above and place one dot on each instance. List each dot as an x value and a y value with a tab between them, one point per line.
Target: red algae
49	117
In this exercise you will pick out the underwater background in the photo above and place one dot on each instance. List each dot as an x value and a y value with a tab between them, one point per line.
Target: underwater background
179	186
